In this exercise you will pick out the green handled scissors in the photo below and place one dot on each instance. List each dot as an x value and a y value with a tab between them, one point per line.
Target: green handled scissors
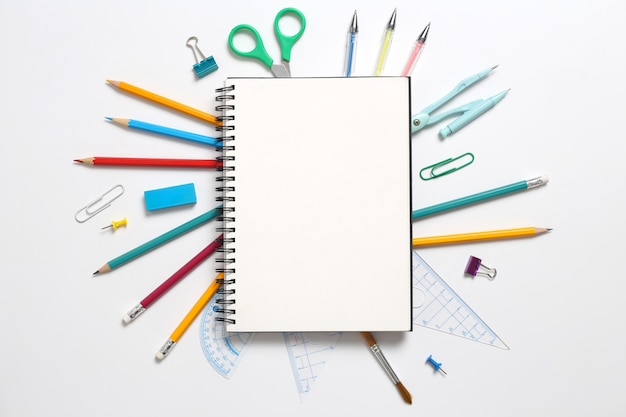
283	69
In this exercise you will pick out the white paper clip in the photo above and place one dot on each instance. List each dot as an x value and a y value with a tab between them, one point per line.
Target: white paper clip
99	204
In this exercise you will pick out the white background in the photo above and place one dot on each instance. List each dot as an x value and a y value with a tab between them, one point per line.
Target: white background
556	301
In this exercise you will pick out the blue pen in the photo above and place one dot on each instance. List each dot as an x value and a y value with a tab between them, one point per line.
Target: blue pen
168	131
351	48
468	112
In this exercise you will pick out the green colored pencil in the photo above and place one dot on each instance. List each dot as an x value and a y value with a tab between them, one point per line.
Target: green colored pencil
159	240
484	195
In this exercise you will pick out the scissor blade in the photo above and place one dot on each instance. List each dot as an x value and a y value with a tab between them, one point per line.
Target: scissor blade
280	71
287	66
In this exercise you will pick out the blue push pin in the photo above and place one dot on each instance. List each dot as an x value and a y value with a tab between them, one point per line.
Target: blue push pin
206	65
435	364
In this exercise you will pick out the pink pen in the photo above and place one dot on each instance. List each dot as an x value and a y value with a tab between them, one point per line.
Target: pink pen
417	49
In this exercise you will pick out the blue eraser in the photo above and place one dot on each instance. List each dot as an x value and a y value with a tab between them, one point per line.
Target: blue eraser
177	195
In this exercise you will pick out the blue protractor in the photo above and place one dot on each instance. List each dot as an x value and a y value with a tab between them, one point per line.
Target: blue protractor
442	309
224	350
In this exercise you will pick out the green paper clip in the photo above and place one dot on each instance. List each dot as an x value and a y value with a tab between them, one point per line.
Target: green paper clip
445	162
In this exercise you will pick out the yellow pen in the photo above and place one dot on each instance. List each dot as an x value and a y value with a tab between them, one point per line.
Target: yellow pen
384	50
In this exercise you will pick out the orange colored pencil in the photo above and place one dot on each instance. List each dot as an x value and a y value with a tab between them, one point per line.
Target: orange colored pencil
152	162
165	101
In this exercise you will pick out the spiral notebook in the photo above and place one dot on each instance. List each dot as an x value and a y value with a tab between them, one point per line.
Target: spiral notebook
316	188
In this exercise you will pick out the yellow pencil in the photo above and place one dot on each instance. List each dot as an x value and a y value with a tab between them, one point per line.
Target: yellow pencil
165	101
190	317
487	235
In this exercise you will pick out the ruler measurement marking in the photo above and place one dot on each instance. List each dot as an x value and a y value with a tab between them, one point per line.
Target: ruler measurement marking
446	311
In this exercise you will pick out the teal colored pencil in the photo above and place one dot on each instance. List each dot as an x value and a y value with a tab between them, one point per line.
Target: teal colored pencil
463	201
159	240
167	131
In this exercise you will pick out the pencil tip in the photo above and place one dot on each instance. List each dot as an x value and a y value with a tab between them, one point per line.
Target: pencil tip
78	160
406	395
494	67
108	118
96	273
549	229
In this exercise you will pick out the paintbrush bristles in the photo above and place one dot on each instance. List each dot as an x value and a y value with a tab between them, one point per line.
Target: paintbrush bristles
369	338
406	395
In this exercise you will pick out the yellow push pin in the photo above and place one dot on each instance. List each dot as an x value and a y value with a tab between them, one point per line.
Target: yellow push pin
115	224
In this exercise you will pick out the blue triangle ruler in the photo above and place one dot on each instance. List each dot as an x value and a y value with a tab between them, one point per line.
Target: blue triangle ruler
308	353
444	310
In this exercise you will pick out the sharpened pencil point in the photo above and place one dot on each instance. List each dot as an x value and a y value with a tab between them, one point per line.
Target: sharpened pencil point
78	160
494	67
95	273
108	118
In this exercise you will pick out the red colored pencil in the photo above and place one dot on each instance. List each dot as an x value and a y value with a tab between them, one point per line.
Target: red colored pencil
154	162
171	281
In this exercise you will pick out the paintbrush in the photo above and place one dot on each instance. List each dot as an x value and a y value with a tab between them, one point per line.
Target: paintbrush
369	338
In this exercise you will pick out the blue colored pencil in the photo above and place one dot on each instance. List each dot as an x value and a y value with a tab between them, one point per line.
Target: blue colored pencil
167	131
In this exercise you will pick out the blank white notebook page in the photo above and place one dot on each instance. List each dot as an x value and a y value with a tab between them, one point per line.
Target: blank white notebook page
322	204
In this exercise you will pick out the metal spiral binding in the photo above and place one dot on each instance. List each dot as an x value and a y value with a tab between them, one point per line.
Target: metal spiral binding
226	185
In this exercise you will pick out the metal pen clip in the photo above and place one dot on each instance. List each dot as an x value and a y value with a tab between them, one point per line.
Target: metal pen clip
99	204
434	174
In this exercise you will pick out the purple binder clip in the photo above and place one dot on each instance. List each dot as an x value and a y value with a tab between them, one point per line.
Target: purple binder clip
476	267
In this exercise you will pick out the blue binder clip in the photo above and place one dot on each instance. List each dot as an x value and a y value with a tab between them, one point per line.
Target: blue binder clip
206	65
